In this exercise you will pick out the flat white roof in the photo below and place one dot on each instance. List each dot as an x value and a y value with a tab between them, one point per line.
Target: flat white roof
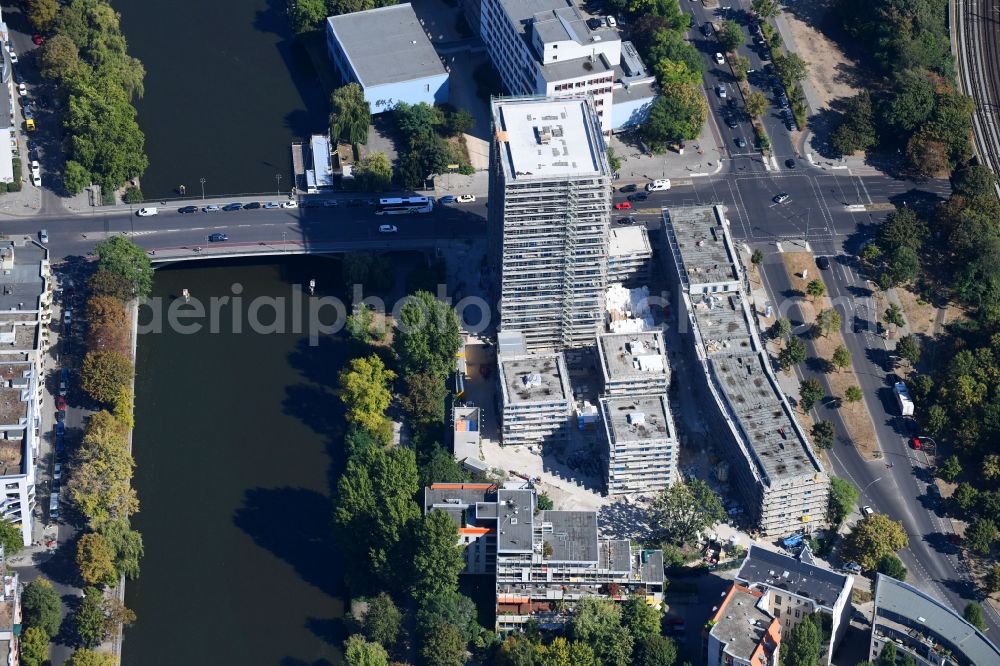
545	138
319	145
623	241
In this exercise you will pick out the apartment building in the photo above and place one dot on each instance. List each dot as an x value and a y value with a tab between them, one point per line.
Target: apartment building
925	629
543	562
642	444
774	469
742	632
629	256
25	314
550	205
546	47
633	363
795	587
536	398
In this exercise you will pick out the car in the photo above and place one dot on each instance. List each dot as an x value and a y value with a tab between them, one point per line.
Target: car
60	429
447	199
638	196
36	168
272	204
13	56
291	203
780	198
625	220
28	112
253	205
217	238
629	188
387	229
60	416
694	22
22	90
853	567
330	203
867	510
732	104
707	29
43	236
790	163
915	443
57	472
36	179
187	210
37	39
212	208
623	205
720	59
595	23
233	206
823	262
147	212
64	372
466	198
741	142
61	403
731	121
612	23
17	76
782	101
68	317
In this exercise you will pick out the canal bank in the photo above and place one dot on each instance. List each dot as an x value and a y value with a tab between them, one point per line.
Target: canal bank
236	445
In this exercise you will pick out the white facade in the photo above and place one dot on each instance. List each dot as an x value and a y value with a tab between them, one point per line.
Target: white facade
536	398
642	444
633	363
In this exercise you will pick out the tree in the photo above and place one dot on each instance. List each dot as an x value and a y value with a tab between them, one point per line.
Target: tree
841	357
907	347
765	8
810	392
106	283
417	120
438	465
373	173
973	614
731	35
824	433
816	288
42	13
104	374
993	579
364	390
781	329
757	257
359	652
10	538
120	255
598	623
459	121
853	394
842	501
428	337
857	130
350	115
91	658
676	115
454	609
873	538
793	353
928	155
828	321
424	398
894	315
888	655
739	64
991	466
802	647
912	102
100	484
95	560
41	606
981	535
443	646
687	508
438	559
544	502
950	469
790	68
34	647
126	546
75	177
757	104
305	15
382	620
59	58
890	565
641	619
655	651
89	620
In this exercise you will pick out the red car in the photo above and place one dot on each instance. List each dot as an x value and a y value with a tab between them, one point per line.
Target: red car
61	403
38	39
623	205
915	443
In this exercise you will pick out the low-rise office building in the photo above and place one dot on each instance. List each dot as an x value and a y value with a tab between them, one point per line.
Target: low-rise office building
742	632
925	629
543	562
642	444
629	254
536	397
386	51
795	587
774	469
633	363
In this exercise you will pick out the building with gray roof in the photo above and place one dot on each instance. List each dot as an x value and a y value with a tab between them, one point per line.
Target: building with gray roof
386	51
633	363
629	255
536	398
925	629
742	631
775	470
643	449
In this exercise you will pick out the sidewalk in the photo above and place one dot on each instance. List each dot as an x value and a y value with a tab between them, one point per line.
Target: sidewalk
701	158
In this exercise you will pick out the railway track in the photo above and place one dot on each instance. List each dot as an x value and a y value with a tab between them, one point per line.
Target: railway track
977	35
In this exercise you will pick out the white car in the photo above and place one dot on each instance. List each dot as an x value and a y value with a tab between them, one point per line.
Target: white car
466	198
36	168
720	59
13	57
291	203
36	179
387	229
68	317
22	90
722	91
612	23
147	212
867	510
43	236
57	472
272	204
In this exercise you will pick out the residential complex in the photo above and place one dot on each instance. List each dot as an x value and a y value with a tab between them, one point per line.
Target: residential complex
780	480
925	629
549	209
642	443
536	398
386	51
543	561
742	632
629	255
546	47
25	313
633	363
795	587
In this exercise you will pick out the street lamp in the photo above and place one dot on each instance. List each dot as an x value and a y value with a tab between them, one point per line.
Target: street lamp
202	180
277	177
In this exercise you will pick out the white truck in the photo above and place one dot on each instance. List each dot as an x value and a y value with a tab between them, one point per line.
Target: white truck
903	398
658	185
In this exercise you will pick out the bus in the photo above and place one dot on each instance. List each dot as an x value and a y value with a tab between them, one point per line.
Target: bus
404	205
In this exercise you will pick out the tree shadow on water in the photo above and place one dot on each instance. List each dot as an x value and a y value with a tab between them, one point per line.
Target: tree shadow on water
328	630
294	525
295	661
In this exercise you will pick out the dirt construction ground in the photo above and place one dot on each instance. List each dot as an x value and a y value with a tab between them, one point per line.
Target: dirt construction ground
831	73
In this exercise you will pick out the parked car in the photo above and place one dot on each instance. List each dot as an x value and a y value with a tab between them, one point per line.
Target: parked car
291	203
37	39
217	238
36	179
57	472
595	23
233	206
450	198
721	89
612	23
28	112
13	56
625	220
706	29
387	229
867	511
466	198
60	416
22	90
185	210
272	204
61	403
43	236
780	198
253	205
638	196
68	317
60	429
212	208
720	59
147	212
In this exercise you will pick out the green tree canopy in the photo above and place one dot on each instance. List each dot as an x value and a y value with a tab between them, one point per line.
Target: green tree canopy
641	619
126	547
373	173
973	614
104	374
824	434
364	390
841	358
907	347
677	115
121	256
359	652
792	354
873	538
382	620
89	620
687	508
803	645
87	657
765	8
757	104
443	646
306	15
853	394
981	535
810	392
816	288
598	623
11	538
731	35
350	115
843	500
892	566
34	647
655	651
428	336
95	560
41	606
438	559
451	608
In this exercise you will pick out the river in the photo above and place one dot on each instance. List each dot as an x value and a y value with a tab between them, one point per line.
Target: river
227	91
235	445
